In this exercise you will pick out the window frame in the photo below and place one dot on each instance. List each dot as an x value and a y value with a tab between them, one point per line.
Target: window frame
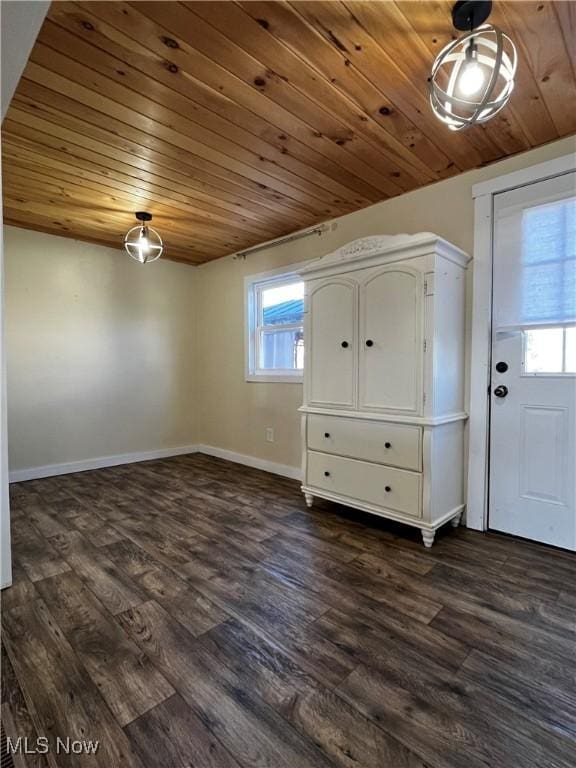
254	285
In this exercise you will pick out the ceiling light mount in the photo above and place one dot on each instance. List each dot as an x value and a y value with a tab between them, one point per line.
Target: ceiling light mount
142	243
472	77
469	14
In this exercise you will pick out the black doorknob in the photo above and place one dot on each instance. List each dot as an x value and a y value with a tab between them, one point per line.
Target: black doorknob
344	344
501	391
326	474
326	434
387	445
369	343
387	489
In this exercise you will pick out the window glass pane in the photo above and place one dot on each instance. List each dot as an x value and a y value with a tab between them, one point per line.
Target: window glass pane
570	350
283	304
281	350
543	350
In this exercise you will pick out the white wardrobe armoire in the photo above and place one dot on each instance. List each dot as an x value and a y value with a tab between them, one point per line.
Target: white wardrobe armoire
383	414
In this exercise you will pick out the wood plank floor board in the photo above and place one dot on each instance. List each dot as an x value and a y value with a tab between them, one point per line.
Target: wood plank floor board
446	720
45	520
127	680
61	699
312	709
131	558
247	727
181	600
192	612
364	639
21	591
36	555
537	700
517	653
172	735
15	717
486	596
110	585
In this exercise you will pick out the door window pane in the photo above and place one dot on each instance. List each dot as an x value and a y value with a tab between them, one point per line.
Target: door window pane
570	354
550	350
549	263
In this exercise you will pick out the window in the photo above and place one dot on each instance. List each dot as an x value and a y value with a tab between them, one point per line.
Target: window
550	350
275	333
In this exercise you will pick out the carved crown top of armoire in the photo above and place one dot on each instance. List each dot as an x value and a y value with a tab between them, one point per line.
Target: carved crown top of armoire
383	410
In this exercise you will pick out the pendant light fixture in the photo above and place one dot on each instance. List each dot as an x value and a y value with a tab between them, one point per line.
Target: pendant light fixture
473	77
142	242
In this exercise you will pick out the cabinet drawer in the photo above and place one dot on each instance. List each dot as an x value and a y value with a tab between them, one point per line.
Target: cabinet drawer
395	444
383	486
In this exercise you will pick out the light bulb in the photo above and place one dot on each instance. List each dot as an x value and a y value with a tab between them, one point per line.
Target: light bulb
472	79
143	245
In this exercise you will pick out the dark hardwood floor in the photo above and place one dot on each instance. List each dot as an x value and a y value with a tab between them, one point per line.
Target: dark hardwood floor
193	613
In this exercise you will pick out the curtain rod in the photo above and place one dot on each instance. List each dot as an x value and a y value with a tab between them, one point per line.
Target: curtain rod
281	240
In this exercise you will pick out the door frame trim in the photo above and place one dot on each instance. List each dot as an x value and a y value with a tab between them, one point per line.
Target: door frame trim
481	338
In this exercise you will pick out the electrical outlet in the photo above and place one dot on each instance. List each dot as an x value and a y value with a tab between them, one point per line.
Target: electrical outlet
269	434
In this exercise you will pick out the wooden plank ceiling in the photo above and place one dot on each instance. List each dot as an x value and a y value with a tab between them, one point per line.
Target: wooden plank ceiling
234	123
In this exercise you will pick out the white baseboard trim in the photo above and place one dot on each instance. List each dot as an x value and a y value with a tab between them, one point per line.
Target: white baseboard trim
294	473
34	473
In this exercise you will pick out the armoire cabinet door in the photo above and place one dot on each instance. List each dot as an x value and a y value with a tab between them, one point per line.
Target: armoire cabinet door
332	343
391	341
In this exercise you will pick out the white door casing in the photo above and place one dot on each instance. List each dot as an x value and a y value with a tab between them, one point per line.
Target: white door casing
533	422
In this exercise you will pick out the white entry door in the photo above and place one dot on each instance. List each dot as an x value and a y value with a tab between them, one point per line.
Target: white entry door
533	385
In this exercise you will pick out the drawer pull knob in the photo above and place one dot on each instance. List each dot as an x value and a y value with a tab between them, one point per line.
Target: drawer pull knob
387	489
387	445
326	474
326	434
344	344
369	343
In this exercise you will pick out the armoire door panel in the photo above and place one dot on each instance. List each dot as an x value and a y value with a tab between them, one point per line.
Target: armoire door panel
332	343
391	341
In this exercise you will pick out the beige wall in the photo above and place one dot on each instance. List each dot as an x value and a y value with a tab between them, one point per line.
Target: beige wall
100	351
234	414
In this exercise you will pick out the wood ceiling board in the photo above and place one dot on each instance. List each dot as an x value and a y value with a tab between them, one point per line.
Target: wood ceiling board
111	206
217	234
217	190
214	130
291	29
285	75
237	98
357	175
208	211
235	123
171	115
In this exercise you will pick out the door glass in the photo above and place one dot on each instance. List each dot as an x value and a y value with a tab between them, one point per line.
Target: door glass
550	350
570	354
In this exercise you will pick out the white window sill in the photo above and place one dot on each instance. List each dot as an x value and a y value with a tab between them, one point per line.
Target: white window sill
267	378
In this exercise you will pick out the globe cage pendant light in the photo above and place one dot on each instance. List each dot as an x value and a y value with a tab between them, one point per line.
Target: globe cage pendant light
142	242
473	77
